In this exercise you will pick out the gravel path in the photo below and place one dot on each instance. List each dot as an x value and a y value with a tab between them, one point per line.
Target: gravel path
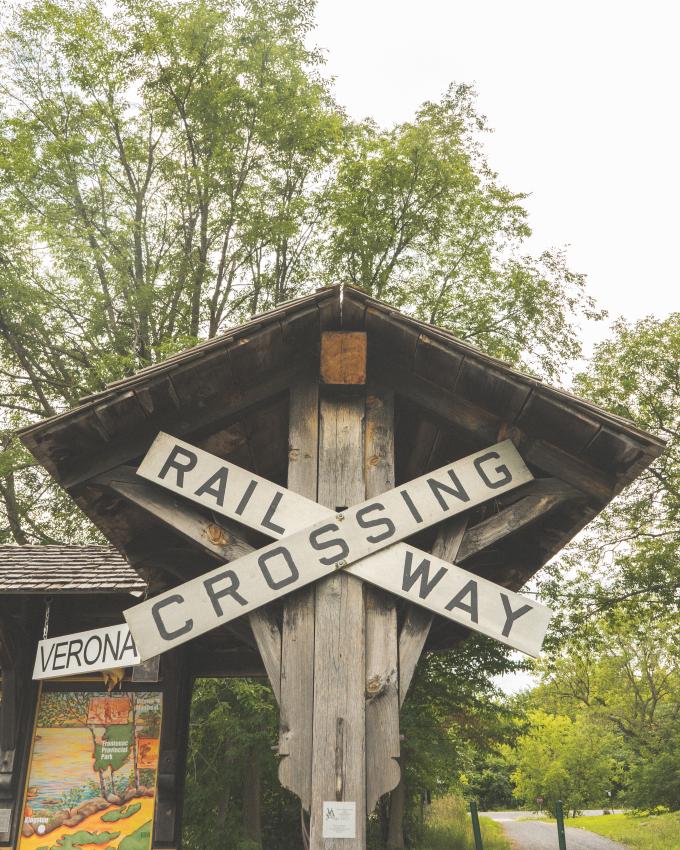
540	835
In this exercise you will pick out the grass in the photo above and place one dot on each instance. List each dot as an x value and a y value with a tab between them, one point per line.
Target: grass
448	827
651	832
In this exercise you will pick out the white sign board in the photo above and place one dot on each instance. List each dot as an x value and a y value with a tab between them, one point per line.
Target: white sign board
458	595
339	819
85	652
226	488
333	542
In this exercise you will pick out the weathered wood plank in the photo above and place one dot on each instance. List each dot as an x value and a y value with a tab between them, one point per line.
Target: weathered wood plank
595	484
417	623
496	527
343	357
382	654
94	461
339	656
174	737
297	650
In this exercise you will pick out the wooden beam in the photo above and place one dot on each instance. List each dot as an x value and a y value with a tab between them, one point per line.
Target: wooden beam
382	652
500	525
297	649
461	413
339	744
223	541
173	746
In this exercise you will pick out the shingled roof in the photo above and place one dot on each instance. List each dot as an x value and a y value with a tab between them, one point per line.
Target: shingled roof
66	569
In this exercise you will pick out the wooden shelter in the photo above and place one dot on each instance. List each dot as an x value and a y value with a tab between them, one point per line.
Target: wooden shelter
291	396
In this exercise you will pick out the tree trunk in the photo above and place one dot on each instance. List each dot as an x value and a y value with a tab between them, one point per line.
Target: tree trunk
8	492
395	834
252	814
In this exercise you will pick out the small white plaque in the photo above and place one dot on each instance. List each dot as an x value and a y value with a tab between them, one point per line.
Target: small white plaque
339	819
5	820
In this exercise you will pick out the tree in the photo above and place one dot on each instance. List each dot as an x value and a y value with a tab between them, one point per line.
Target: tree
620	674
169	169
230	772
630	551
562	759
418	218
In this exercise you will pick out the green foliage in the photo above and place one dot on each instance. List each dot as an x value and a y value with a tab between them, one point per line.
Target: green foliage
234	724
631	550
562	759
168	170
489	783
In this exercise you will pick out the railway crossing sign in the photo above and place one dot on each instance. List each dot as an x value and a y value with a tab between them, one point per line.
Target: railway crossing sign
339	396
314	541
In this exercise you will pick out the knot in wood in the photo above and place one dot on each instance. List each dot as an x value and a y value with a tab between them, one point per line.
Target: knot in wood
293	454
216	535
374	460
375	686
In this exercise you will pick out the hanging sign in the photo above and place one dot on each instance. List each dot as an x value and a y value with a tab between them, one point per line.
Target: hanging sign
85	652
333	542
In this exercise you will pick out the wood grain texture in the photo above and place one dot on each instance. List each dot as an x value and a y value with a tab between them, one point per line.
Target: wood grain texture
343	357
297	649
382	653
417	623
498	526
339	658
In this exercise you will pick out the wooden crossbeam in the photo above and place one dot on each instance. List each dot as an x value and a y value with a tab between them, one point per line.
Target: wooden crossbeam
500	525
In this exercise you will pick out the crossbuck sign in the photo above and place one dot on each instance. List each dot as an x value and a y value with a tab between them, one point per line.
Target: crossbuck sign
312	541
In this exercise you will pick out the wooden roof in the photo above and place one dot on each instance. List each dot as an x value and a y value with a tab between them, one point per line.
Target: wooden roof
230	396
66	569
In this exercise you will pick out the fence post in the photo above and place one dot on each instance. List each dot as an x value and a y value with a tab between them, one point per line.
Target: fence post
561	837
476	831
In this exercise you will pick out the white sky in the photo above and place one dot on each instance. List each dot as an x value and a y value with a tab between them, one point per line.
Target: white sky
583	97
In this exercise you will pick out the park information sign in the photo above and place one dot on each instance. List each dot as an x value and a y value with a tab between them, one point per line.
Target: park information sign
92	775
85	652
314	541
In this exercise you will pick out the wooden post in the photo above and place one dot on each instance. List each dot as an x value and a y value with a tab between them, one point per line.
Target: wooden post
173	746
297	644
382	654
338	764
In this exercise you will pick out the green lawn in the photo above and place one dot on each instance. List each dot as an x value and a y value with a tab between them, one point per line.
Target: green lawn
657	832
448	828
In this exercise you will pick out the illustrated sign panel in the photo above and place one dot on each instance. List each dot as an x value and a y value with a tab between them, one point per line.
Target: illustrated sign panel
333	542
85	652
93	769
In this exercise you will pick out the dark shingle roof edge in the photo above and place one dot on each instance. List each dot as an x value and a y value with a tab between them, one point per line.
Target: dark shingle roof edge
66	569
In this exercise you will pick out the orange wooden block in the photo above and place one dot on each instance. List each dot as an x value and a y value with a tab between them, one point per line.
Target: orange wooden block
343	357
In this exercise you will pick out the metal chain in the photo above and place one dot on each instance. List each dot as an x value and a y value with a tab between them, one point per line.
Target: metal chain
46	625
